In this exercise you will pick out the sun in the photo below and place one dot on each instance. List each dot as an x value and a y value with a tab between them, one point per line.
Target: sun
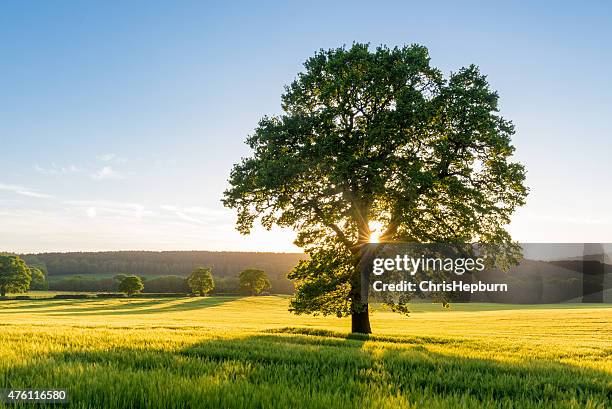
376	229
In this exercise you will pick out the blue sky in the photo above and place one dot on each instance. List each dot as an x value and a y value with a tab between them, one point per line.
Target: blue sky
120	121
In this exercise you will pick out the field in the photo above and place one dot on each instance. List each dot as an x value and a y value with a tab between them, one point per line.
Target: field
229	352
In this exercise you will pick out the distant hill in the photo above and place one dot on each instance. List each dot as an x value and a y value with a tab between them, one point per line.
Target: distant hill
537	282
224	263
601	257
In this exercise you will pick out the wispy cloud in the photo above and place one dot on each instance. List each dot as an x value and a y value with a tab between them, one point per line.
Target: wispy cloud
24	191
181	214
107	172
57	170
195	214
110	158
96	208
107	157
93	225
26	230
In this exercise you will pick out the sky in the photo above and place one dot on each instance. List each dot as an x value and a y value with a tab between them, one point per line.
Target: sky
120	121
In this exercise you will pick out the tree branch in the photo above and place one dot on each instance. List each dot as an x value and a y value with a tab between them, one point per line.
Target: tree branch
341	236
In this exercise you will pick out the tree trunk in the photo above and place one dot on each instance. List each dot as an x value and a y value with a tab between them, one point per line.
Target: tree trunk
360	322
360	317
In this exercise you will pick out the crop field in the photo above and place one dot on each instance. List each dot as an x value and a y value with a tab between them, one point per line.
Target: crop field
230	352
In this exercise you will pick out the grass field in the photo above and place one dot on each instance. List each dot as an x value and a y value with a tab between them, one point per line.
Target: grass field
223	352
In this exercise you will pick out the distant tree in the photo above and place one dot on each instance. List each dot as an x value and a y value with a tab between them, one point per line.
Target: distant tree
377	139
201	281
39	281
254	281
131	285
14	275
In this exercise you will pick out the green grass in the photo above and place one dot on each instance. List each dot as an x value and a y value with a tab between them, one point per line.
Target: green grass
235	352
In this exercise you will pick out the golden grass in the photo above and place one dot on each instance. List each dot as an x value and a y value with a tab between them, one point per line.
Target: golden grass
250	352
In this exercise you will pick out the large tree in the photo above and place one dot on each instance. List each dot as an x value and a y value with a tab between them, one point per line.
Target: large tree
15	275
376	139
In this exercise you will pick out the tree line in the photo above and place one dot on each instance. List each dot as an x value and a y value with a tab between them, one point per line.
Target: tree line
160	284
201	282
17	277
162	271
162	263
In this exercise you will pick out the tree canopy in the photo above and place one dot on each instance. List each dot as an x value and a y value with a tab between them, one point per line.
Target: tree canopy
254	281
377	139
15	275
201	281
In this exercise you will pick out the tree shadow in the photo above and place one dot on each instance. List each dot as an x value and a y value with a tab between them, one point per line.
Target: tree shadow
416	340
291	369
126	307
160	305
6	308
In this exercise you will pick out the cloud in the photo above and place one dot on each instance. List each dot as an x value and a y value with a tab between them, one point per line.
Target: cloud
107	172
107	157
28	230
97	208
111	158
20	190
181	214
198	215
57	170
33	194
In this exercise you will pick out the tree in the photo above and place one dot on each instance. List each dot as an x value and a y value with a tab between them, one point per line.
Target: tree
376	139
39	281
131	285
201	281
254	281
14	275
